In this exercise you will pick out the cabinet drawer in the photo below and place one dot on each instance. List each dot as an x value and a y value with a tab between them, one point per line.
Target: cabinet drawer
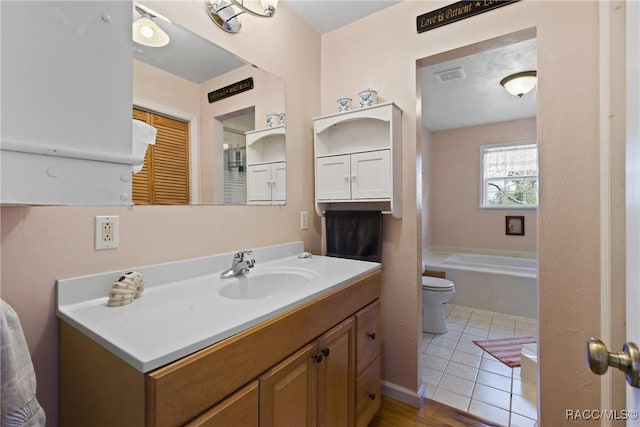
368	393
239	410
368	335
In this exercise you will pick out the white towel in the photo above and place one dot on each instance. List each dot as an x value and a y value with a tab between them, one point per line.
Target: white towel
143	135
18	403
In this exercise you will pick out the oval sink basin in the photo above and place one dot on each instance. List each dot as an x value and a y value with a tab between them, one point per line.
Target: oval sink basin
264	285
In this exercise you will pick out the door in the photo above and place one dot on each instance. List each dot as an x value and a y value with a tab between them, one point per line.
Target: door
333	180
279	178
259	183
336	376
633	188
598	356
288	391
371	175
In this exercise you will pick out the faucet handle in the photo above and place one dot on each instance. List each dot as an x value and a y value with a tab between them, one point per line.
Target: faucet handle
239	256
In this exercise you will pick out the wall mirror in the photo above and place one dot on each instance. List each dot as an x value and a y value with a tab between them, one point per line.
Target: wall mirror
220	152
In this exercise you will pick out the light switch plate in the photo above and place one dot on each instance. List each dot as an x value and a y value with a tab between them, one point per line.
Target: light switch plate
304	220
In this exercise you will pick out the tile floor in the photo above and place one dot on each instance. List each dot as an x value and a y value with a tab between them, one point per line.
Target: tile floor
458	373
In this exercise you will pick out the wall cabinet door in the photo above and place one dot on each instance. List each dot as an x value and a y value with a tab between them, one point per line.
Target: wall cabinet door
259	182
279	177
333	178
370	175
336	376
267	182
288	391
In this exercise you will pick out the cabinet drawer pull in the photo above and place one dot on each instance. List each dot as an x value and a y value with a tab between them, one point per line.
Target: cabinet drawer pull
372	396
325	351
372	335
318	357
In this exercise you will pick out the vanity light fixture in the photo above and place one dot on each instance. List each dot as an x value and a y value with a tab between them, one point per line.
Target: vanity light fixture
146	32
225	13
520	84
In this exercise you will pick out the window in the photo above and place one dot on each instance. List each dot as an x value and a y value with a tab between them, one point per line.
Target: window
509	175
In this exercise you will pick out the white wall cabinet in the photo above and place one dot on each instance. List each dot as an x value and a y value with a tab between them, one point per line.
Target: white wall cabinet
360	176
358	159
66	115
267	183
266	166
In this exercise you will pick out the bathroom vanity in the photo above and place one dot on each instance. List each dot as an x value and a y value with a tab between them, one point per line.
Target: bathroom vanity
302	356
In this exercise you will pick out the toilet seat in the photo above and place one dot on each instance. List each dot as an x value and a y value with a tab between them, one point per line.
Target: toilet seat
436	284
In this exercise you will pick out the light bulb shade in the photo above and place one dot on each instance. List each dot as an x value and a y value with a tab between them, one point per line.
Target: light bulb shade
148	33
520	84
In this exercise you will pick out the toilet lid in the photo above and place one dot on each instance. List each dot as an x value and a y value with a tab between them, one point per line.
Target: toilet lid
436	284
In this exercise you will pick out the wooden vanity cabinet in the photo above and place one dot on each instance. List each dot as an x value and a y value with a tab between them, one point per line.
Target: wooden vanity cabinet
271	374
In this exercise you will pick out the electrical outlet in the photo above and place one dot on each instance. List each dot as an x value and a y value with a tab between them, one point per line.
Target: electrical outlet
304	220
107	232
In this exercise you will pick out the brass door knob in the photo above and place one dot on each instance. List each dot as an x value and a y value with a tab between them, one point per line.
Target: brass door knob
628	361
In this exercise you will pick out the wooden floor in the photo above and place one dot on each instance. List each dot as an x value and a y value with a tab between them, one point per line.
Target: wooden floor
432	414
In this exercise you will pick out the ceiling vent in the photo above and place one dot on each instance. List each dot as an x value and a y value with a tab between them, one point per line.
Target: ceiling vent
449	75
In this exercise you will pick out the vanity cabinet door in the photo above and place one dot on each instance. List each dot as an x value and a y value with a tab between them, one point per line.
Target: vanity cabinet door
288	391
238	410
333	178
336	376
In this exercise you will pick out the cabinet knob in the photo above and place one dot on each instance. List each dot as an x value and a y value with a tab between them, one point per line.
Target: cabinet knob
372	335
325	351
372	396
353	177
318	357
346	177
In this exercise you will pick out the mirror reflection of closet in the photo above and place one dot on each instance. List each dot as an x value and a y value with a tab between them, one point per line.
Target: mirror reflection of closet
173	82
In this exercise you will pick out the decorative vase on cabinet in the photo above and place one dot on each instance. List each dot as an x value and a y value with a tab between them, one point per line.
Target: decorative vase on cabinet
358	159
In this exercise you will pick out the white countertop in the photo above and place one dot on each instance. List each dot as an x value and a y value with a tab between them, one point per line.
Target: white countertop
181	311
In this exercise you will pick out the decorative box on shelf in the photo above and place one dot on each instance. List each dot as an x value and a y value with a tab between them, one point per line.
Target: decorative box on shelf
358	156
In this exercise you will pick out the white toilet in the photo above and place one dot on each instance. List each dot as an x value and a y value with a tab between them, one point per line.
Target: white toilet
435	292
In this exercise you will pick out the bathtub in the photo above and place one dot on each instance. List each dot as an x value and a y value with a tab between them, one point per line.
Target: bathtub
500	282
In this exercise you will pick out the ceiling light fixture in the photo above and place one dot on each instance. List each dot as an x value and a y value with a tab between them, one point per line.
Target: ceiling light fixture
146	32
520	84
225	12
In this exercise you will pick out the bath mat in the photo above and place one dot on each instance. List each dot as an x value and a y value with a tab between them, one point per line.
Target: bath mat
506	350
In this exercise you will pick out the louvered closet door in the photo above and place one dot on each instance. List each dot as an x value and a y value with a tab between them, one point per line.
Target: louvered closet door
167	179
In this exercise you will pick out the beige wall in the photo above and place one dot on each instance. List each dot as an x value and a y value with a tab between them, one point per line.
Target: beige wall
453	179
381	52
42	244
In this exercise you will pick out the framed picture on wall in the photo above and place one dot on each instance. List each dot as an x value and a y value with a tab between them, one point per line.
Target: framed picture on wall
514	225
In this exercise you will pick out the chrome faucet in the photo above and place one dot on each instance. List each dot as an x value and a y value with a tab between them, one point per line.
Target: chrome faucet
239	265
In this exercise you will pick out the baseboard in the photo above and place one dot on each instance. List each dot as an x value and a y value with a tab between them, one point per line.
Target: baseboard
402	394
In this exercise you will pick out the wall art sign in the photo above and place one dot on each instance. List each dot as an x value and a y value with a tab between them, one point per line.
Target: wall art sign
456	12
230	90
